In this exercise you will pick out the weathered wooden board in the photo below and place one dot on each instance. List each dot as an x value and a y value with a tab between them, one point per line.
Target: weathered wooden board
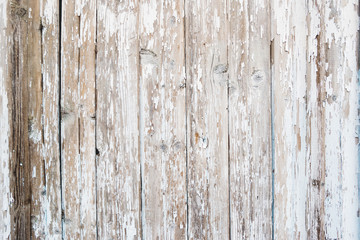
48	222
314	152
338	39
250	120
207	119
179	119
117	113
162	119
30	79
5	130
78	34
289	122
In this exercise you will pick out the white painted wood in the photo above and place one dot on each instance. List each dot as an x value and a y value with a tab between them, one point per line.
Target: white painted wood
117	118
42	39
168	110
314	136
289	111
51	204
207	119
250	120
78	118
163	135
5	226
341	104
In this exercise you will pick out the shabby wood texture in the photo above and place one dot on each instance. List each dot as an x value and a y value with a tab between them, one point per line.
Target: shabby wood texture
207	119
179	119
162	119
250	120
78	118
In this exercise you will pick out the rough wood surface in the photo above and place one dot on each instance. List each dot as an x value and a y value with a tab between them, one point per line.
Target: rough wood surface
250	120
207	119
117	113
48	223
5	131
162	109
173	119
78	34
289	111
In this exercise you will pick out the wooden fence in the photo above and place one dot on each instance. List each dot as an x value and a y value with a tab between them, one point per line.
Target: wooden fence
173	119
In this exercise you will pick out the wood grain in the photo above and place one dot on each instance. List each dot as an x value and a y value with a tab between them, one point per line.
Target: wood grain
179	119
289	91
117	118
45	171
5	124
78	118
207	119
163	135
250	120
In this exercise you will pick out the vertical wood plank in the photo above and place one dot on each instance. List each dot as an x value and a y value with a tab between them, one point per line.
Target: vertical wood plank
314	118
19	140
340	39
289	91
117	130
51	204
78	118
207	119
250	120
36	140
347	40
5	95
163	116
43	119
34	204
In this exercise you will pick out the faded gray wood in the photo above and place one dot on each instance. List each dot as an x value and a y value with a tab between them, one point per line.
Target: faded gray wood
250	120
289	123
78	118
117	116
207	119
163	119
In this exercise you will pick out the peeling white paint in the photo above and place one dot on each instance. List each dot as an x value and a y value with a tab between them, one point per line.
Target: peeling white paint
5	227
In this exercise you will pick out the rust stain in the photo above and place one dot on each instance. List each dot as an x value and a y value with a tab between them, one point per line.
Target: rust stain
197	138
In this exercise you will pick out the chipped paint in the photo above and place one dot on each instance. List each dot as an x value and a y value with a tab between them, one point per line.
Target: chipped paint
179	119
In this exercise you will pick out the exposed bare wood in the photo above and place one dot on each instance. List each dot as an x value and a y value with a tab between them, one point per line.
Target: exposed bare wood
207	119
117	130
314	117
5	124
163	119
43	120
162	90
51	212
250	120
78	118
289	91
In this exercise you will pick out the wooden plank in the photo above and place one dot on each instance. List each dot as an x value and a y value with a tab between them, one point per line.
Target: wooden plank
250	120
78	118
314	118
36	136
332	107
163	129
339	35
19	140
5	127
207	119
289	91
43	122
347	41
51	205
32	67
117	130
